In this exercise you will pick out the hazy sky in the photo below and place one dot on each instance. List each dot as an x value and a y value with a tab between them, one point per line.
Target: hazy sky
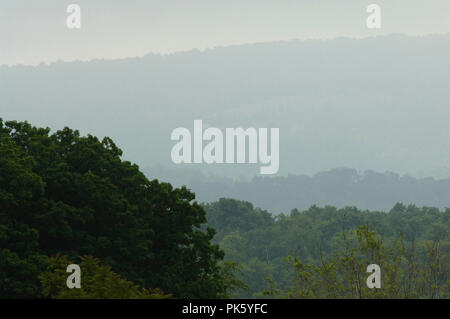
35	31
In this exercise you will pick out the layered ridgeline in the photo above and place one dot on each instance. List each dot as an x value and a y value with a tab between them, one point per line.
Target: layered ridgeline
379	103
67	198
339	187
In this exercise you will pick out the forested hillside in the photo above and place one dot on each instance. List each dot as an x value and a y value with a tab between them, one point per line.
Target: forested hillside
361	103
260	243
66	198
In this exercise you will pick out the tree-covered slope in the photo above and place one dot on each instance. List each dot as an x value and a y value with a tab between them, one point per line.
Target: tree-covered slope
260	242
64	194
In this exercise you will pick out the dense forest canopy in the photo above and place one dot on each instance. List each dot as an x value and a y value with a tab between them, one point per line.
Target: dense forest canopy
66	198
260	242
65	194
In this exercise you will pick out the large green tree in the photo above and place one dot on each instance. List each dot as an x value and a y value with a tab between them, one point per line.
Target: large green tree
99	282
66	194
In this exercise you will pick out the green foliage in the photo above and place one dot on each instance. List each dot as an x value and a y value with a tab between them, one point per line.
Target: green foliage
231	272
328	246
66	194
98	282
344	275
232	215
19	259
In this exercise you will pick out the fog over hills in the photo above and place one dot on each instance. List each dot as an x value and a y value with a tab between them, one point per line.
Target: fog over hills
378	104
338	187
35	31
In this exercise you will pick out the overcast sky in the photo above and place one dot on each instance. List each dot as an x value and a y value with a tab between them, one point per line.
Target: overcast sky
32	32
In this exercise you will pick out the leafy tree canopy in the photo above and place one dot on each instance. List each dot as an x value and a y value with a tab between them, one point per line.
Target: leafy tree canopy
67	194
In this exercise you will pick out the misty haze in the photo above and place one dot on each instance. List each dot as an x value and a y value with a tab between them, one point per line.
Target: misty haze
301	150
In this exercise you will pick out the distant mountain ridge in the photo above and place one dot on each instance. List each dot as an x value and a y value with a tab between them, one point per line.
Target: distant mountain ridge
339	187
380	103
